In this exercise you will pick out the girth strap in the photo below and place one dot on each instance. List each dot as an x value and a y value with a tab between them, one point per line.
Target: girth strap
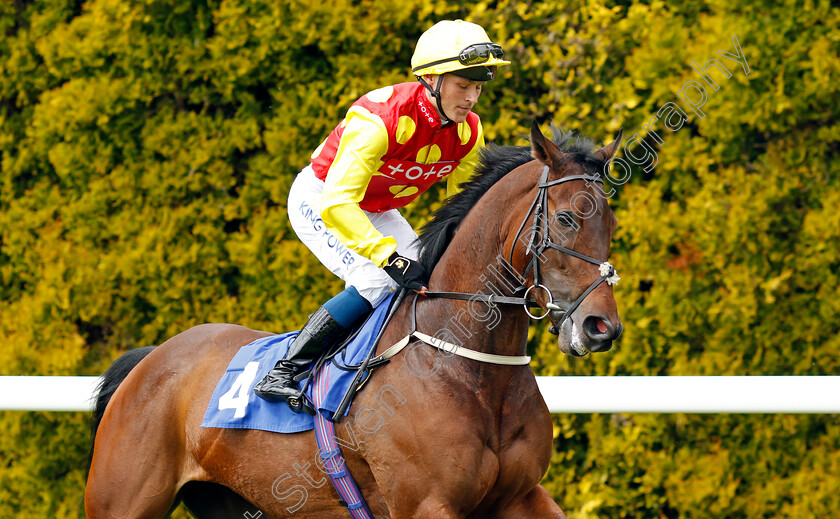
330	453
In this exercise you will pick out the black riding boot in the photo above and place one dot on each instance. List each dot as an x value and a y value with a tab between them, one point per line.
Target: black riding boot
321	329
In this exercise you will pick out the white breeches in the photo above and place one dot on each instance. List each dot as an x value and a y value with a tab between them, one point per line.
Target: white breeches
305	216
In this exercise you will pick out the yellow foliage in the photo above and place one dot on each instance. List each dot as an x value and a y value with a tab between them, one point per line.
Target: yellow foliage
147	149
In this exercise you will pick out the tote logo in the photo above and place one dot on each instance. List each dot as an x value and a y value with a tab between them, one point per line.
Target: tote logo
415	172
428	112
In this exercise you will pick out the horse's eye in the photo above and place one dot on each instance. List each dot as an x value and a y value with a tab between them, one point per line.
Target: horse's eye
566	219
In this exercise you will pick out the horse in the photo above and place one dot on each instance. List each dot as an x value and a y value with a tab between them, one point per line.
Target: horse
431	434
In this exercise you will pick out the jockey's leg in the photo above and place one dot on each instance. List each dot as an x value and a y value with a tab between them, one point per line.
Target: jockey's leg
367	284
329	324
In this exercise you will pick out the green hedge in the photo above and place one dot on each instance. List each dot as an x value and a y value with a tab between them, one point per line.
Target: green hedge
148	147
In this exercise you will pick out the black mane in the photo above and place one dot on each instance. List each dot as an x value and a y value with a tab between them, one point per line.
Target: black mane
494	163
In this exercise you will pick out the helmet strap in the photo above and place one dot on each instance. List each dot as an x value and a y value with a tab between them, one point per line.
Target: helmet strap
436	94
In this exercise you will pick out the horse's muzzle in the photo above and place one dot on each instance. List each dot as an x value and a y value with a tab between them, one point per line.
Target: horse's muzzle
595	335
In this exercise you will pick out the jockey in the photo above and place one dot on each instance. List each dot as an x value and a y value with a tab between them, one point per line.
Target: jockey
393	144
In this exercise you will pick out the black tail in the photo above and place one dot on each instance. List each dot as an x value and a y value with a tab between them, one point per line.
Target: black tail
111	380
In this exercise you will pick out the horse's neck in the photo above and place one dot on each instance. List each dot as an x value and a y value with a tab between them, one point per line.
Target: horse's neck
475	262
501	330
471	263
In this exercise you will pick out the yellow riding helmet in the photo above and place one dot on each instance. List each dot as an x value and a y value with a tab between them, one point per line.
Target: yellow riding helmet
456	45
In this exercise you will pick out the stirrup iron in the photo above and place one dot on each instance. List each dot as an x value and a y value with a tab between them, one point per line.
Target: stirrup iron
300	403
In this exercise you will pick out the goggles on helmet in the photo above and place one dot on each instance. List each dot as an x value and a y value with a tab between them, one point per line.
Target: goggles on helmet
480	53
473	55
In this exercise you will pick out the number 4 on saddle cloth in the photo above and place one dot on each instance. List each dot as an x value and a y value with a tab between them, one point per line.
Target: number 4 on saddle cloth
235	406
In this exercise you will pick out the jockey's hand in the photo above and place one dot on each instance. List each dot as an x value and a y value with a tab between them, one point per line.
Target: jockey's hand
407	272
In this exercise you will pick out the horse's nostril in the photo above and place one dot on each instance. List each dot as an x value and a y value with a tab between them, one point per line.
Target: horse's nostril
602	327
598	328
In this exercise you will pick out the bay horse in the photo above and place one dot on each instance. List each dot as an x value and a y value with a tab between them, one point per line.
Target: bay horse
431	435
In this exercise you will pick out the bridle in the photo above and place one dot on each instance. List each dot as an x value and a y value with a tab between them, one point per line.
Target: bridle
536	248
539	243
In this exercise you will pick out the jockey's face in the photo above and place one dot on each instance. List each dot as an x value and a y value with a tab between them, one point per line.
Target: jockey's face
457	95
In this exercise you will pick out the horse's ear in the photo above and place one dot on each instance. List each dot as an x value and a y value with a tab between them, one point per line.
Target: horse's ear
609	150
543	149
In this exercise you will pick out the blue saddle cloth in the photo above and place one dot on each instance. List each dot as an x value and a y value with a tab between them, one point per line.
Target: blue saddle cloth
235	406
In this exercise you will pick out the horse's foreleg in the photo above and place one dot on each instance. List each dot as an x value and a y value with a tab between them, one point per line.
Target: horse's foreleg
107	499
536	504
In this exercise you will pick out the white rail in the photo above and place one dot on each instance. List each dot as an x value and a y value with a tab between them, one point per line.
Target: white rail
47	393
700	394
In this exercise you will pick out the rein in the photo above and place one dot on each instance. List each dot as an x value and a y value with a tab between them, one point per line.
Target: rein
491	300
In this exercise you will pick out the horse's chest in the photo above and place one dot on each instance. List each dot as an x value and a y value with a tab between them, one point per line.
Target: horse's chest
524	448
